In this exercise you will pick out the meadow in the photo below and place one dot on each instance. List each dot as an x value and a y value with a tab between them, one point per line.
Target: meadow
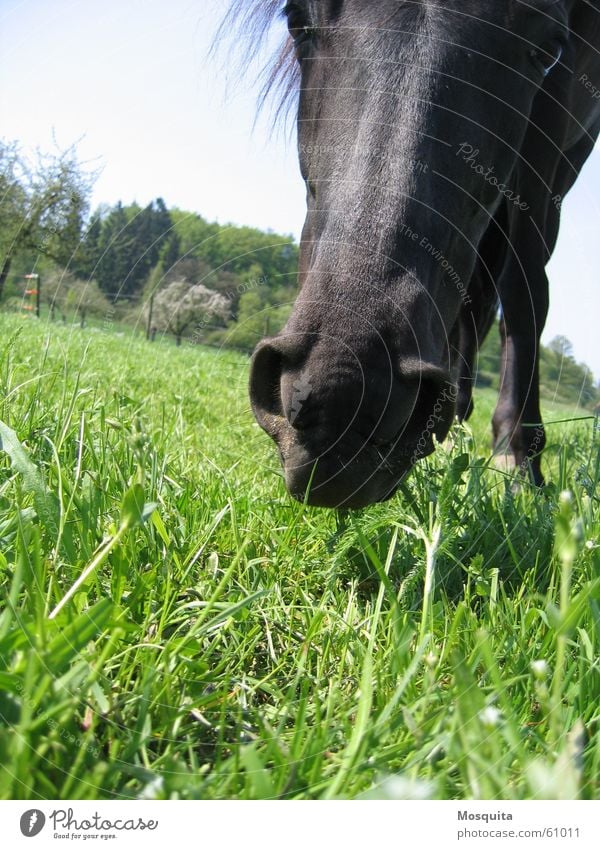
172	625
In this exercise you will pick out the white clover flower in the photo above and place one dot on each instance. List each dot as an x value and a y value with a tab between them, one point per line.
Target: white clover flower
540	669
490	716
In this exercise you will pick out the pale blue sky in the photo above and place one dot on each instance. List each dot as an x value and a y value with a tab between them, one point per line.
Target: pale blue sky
133	80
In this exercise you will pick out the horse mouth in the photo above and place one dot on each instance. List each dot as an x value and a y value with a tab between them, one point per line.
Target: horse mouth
344	481
333	462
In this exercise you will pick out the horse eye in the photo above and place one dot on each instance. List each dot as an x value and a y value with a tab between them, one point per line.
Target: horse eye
547	56
298	24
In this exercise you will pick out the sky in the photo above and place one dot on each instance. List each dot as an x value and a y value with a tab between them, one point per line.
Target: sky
134	84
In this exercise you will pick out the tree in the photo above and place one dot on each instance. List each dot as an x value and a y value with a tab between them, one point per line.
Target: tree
179	308
562	346
114	257
189	269
129	245
240	250
88	253
563	378
55	291
44	205
85	298
255	320
194	270
170	251
588	392
12	206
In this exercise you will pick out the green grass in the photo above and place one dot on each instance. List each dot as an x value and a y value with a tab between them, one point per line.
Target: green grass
233	644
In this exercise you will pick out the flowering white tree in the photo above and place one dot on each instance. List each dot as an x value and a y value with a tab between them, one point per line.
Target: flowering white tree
180	307
85	298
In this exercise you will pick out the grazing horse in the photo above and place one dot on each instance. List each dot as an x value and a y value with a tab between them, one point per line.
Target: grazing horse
437	140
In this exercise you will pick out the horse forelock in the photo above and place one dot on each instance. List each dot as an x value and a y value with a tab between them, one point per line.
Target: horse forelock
251	21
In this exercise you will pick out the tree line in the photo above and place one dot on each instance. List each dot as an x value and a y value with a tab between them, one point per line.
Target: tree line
170	271
562	378
134	261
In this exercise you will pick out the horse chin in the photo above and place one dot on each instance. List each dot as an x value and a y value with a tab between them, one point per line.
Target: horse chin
339	498
327	480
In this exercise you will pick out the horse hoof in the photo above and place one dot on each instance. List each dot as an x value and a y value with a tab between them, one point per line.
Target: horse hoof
504	463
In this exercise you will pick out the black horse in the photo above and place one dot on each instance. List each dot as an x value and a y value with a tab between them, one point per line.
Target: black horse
437	140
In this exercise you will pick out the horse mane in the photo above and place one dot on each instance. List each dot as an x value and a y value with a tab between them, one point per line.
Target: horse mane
249	22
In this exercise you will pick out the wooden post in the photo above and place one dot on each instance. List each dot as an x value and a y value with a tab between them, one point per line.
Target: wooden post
36	291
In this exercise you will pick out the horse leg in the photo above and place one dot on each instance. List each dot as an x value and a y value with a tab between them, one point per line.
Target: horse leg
479	308
523	286
476	319
517	422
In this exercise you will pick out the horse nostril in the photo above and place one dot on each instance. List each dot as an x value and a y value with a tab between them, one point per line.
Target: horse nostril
272	363
418	402
265	377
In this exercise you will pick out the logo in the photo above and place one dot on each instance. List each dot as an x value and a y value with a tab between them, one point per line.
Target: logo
32	822
302	389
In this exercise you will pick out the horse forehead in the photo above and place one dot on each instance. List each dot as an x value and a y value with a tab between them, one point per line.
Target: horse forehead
389	14
337	365
406	17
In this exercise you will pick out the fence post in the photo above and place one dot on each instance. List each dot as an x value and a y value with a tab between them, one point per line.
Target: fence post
36	282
